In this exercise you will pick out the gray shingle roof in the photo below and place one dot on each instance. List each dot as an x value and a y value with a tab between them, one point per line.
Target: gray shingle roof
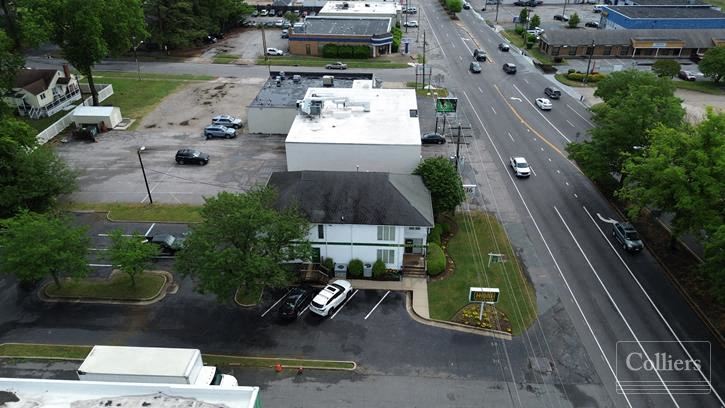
340	197
346	25
692	38
667	12
34	81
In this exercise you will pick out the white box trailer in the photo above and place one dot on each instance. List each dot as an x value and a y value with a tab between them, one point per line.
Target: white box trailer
94	115
150	365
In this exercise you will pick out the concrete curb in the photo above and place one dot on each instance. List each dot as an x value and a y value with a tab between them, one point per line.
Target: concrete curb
163	291
301	360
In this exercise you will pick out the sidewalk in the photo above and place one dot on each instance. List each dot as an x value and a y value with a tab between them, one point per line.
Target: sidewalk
418	286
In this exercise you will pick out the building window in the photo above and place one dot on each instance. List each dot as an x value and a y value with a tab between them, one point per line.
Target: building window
555	51
386	255
572	50
624	51
386	233
42	96
320	231
414	228
607	51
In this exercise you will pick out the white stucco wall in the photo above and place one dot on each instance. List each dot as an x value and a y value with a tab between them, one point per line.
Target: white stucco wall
270	120
401	159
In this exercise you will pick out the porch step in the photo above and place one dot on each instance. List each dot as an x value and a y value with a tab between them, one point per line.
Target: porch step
414	271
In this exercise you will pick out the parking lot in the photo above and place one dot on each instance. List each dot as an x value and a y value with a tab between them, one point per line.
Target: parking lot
546	12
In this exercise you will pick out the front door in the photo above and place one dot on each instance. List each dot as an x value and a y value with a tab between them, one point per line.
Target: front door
308	51
315	255
408	246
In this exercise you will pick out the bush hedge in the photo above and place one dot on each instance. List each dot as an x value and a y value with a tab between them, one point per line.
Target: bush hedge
355	268
579	76
329	264
397	36
345	51
379	269
436	259
435	234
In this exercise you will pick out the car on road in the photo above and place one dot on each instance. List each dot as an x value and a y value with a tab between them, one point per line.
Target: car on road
503	47
597	8
411	23
479	54
331	297
520	166
592	24
543	103
336	65
686	76
527	3
509	68
432	138
475	67
561	17
220	131
168	244
411	10
191	156
627	236
295	302
551	92
274	51
226	120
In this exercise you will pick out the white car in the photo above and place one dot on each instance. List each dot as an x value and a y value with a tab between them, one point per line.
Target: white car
537	31
520	166
331	297
263	13
543	103
274	51
411	23
279	23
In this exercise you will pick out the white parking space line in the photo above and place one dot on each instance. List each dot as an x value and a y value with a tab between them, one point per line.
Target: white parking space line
577	113
525	80
512	138
149	230
481	91
376	305
494	111
571	124
303	311
275	303
343	305
532	171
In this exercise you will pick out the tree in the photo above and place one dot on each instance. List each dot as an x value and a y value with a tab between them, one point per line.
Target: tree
535	21
444	183
680	172
666	68
131	254
714	266
23	29
524	16
291	17
634	104
10	63
172	23
35	245
86	34
31	177
574	20
243	241
454	5
713	63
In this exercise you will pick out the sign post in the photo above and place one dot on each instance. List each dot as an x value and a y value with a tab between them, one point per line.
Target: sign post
483	296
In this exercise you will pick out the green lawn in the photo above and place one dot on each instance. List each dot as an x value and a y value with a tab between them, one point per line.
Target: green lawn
517	297
142	212
707	86
118	287
534	52
304	61
44	350
42	123
225	58
150	75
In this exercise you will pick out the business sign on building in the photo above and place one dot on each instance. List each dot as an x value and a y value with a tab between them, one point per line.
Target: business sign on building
446	105
483	295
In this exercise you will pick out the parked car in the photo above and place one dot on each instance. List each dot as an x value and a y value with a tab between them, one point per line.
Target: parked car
336	65
686	75
279	23
331	297
552	92
295	302
520	166
537	31
503	47
493	1
627	236
285	33
592	24
269	23
433	138
597	8
168	244
561	17
263	13
526	3
209	39
280	13
475	67
191	156
272	13
226	120
479	54
219	131
411	23
466	5
509	68
543	103
274	51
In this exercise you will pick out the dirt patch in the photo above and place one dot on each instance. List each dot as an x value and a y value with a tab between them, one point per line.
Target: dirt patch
194	105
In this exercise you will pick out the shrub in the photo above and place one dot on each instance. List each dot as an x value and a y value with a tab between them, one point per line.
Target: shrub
329	50
344	51
361	51
436	260
355	268
445	228
329	264
397	36
570	71
435	234
519	30
379	269
454	5
531	38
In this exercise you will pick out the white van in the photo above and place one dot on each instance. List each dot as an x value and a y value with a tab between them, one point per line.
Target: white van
598	8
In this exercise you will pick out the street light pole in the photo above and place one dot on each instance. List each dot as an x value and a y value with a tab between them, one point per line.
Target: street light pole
135	56
591	53
563	12
143	170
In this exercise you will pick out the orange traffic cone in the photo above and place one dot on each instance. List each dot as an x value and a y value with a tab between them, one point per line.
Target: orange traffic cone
278	367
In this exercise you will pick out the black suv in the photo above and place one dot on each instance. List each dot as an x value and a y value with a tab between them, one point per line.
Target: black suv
627	236
295	302
552	92
168	243
191	156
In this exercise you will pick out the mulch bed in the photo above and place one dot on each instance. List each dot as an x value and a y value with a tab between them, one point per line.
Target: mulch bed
492	318
452	230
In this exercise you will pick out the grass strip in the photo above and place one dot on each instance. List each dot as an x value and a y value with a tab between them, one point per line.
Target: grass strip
66	352
150	75
141	212
442	92
517	297
225	58
534	52
707	87
308	62
118	287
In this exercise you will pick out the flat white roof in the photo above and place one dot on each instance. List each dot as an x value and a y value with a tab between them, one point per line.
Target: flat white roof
389	121
139	360
359	7
81	394
94	110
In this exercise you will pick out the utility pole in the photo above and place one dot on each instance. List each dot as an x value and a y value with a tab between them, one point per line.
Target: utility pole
458	146
264	44
591	53
497	3
406	17
424	59
563	12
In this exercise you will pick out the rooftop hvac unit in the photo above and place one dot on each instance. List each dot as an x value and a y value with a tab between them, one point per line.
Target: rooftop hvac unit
345	5
296	79
328	81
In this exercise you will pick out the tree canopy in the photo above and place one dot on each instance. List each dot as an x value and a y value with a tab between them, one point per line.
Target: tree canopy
243	242
574	20
713	63
535	21
714	266
666	68
35	246
131	254
444	183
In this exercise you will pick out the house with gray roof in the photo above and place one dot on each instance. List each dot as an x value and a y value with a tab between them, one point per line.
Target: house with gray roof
38	93
361	215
